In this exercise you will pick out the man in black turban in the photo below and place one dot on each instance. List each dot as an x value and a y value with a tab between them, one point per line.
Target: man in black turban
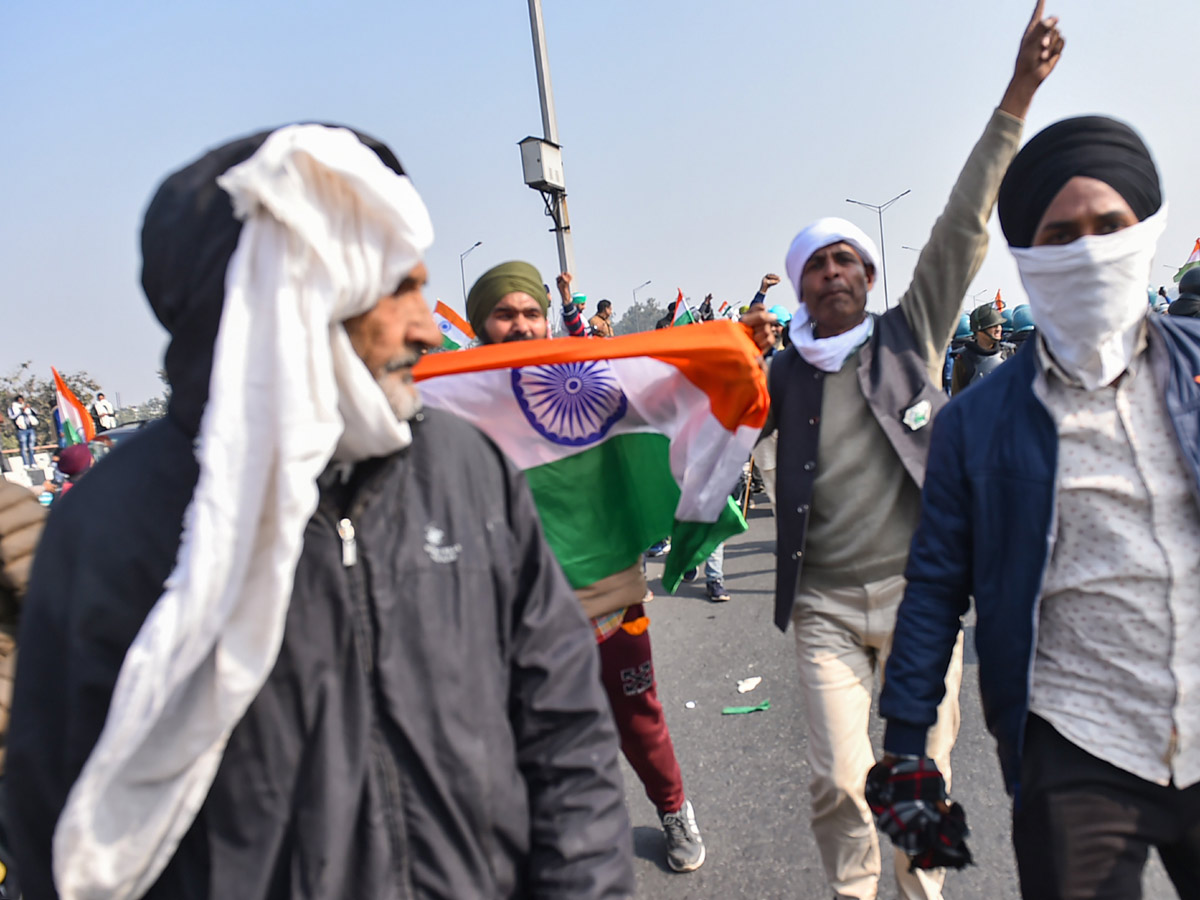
1088	627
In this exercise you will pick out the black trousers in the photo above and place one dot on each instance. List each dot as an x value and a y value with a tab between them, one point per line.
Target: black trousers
1082	828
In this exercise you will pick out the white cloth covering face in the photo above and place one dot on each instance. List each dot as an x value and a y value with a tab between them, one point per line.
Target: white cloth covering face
329	229
1088	297
827	354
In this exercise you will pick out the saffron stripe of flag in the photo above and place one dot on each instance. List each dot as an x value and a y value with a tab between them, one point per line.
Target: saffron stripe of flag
665	420
456	331
77	421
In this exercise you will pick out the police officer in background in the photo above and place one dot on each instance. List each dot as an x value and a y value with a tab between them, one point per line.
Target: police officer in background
985	353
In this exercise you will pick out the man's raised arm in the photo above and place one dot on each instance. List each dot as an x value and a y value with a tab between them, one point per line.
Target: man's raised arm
958	242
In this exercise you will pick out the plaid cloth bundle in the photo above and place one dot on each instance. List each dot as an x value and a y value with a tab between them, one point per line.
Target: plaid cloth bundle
908	800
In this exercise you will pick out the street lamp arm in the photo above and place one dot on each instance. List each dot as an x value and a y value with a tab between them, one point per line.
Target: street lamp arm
878	209
894	199
462	271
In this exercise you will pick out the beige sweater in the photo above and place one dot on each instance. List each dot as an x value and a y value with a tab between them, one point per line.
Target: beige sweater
865	507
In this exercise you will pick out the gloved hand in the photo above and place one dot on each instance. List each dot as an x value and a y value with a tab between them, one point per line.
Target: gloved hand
908	800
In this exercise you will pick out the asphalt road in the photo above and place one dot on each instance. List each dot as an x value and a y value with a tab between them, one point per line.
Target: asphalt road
747	775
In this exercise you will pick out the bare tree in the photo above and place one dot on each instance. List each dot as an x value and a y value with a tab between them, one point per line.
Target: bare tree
641	316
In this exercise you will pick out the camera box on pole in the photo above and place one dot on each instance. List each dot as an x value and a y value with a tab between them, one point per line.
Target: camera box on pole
542	161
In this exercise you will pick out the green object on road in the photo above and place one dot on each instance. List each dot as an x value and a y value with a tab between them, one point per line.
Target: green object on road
740	710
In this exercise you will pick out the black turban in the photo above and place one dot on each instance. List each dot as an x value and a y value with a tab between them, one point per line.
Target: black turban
1094	146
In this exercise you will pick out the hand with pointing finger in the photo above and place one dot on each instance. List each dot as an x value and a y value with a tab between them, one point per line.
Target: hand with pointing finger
1041	48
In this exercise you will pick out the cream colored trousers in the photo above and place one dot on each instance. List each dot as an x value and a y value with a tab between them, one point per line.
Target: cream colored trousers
842	639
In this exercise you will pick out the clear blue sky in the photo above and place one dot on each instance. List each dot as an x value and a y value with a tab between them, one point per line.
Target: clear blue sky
698	136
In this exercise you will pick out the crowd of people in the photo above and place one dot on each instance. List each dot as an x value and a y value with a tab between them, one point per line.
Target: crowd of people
333	654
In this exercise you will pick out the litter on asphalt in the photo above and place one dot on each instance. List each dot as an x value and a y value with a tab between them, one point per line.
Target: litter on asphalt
740	710
746	685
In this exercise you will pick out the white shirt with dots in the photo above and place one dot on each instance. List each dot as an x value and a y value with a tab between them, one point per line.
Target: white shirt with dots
1117	663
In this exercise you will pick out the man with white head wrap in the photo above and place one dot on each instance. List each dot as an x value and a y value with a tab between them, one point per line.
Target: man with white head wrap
1089	632
317	645
852	399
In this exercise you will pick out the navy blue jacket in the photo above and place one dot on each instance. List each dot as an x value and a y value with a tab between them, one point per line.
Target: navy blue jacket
986	530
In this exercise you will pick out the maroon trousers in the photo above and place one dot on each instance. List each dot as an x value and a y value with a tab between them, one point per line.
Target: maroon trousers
627	671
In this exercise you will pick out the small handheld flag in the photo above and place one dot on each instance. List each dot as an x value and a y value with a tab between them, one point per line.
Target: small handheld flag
456	331
1191	262
683	314
76	420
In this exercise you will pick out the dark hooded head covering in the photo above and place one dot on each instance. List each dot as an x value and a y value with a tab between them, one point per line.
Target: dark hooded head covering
188	236
1187	305
1190	282
1094	146
496	283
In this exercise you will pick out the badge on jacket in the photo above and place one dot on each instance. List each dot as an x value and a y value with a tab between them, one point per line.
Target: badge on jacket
918	415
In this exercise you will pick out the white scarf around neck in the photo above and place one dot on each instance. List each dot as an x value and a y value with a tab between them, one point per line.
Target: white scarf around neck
827	354
329	229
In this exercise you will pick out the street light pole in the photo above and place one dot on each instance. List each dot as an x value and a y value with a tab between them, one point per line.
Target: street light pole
462	269
556	200
882	246
638	288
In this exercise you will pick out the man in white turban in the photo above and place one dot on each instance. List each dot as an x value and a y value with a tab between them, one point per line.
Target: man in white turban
301	639
853	399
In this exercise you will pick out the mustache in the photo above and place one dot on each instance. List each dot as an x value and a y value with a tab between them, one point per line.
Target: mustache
834	287
406	361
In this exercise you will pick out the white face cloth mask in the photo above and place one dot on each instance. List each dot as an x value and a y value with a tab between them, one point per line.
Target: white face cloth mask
1088	297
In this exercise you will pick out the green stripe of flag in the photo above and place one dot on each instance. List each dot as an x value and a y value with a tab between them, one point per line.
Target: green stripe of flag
1184	269
601	508
72	435
686	319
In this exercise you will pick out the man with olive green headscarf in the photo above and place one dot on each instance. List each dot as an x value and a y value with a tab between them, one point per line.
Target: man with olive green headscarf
508	303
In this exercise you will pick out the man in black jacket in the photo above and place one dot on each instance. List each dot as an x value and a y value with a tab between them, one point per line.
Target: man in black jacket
301	639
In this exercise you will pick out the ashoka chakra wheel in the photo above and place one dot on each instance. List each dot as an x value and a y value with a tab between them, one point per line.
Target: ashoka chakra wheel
573	404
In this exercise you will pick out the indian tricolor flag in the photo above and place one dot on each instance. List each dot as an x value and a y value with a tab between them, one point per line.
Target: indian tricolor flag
76	420
624	442
456	331
683	315
1191	263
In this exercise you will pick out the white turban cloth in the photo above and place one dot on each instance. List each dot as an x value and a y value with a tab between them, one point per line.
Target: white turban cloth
827	354
328	230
